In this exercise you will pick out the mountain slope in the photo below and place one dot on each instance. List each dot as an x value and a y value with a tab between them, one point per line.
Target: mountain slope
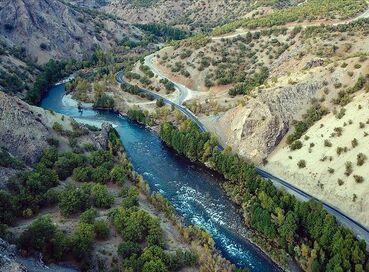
52	29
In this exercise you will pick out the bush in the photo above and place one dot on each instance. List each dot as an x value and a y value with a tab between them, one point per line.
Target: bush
7	208
101	198
102	230
296	145
82	240
73	200
127	249
301	164
327	143
104	102
88	216
361	158
67	163
358	179
42	235
83	174
348	167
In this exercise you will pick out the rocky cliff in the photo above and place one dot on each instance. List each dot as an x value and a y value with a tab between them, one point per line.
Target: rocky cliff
253	130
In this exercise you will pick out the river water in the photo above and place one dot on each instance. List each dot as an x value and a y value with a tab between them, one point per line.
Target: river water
193	190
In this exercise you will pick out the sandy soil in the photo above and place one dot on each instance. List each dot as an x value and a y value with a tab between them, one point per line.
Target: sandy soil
315	178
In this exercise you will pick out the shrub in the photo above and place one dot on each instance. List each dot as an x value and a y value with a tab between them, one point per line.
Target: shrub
57	127
101	198
340	182
82	240
327	143
348	167
83	174
73	199
361	158
7	208
301	164
296	145
65	165
354	143
358	179
102	230
88	216
127	249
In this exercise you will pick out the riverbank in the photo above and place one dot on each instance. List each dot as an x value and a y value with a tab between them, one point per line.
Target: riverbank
155	129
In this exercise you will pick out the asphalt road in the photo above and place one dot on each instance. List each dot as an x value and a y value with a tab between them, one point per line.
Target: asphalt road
120	79
361	231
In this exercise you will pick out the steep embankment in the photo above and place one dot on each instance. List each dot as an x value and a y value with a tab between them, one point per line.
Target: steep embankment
26	131
51	29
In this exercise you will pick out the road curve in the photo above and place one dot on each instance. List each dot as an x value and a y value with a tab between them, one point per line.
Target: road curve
358	229
361	231
120	79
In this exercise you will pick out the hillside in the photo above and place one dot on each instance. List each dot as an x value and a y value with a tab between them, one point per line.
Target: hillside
20	148
38	28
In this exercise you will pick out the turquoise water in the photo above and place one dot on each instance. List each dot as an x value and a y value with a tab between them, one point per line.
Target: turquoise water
193	190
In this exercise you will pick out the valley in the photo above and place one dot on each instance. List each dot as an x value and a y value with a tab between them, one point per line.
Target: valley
229	135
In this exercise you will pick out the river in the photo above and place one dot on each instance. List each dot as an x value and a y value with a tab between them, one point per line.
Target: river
193	190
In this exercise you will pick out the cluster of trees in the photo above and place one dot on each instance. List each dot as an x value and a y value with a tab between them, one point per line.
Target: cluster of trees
169	86
188	140
8	161
140	116
143	247
254	81
104	102
133	89
167	32
45	237
52	72
303	229
313	114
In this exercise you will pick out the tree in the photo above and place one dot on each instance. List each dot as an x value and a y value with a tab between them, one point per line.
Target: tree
102	230
88	216
154	266
7	208
101	198
160	103
38	234
73	199
82	240
127	249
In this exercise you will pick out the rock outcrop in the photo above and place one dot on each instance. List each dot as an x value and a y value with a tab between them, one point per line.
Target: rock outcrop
25	129
255	129
8	260
24	132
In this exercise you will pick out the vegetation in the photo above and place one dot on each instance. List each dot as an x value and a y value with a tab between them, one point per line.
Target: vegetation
303	229
167	32
313	114
310	10
104	102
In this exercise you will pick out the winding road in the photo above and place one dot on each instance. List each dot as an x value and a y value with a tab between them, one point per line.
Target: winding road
361	231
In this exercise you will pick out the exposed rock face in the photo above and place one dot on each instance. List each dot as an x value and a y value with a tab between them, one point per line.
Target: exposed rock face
51	29
23	132
255	129
8	262
25	129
